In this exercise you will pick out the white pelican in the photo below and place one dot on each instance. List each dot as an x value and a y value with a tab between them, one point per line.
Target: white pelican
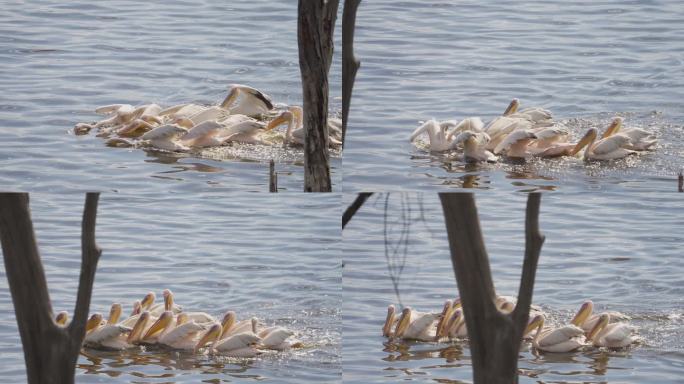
183	336
640	139
239	345
416	326
141	325
170	305
245	100
474	147
276	338
610	148
212	133
108	336
563	339
294	118
437	136
165	137
611	335
585	319
389	321
441	330
119	114
516	144
548	137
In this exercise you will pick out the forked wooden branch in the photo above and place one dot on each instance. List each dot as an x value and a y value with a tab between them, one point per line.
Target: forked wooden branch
354	206
50	351
350	64
495	337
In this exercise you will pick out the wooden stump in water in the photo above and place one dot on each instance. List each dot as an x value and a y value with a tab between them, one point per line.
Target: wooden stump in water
50	351
681	182
316	23
272	177
495	337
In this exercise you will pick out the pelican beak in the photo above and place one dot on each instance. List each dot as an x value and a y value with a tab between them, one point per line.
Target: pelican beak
136	308
584	141
93	322
164	320
283	118
537	321
147	301
232	95
114	314
62	318
168	300
613	128
457	303
387	327
603	321
454	320
138	328
583	314
444	319
404	322
227	322
213	334
512	107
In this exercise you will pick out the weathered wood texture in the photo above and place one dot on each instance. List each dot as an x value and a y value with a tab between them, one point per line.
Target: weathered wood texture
272	177
681	182
351	209
350	64
50	351
495	337
316	23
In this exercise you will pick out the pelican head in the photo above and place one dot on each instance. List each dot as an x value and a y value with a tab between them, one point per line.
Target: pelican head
62	318
227	322
512	107
164	321
507	307
168	300
114	314
455	321
403	323
535	322
603	321
138	328
285	117
444	319
587	139
93	322
613	128
387	327
147	301
137	307
583	314
211	336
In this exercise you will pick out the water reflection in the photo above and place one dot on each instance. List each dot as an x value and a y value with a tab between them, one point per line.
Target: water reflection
533	364
161	364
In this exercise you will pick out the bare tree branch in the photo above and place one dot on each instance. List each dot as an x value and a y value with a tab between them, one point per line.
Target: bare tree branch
350	64
354	206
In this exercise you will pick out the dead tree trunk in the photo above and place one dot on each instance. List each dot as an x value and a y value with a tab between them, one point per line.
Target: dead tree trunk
495	337
316	24
350	64
50	351
272	177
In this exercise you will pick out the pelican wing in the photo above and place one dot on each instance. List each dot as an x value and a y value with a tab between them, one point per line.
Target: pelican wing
618	332
109	109
610	144
181	333
238	341
204	130
431	127
276	337
200	317
106	332
559	335
211	113
162	132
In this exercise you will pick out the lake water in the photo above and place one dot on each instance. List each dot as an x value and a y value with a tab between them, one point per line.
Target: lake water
277	258
623	252
62	60
586	61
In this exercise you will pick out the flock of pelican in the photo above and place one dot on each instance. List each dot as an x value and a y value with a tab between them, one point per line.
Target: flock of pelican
527	133
166	325
244	116
586	329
